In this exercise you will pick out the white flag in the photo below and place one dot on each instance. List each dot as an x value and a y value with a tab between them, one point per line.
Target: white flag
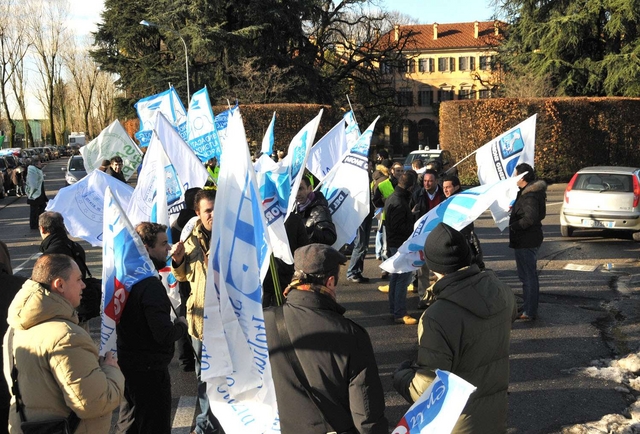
498	159
202	135
81	204
269	139
189	168
243	400
125	262
457	211
328	151
346	189
353	130
112	141
168	103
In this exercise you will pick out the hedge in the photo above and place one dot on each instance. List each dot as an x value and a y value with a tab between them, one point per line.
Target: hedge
290	118
571	133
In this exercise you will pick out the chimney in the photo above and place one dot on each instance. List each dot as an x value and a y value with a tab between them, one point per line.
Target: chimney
396	32
475	30
496	27
435	31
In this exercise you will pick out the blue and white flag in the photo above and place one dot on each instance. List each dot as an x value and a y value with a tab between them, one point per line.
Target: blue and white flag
125	262
112	141
222	120
241	395
498	159
190	170
157	173
273	184
168	103
296	159
269	138
346	188
81	204
353	130
457	211
438	408
202	135
328	151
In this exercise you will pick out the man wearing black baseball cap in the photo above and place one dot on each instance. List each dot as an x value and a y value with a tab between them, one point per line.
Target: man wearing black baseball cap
465	331
324	370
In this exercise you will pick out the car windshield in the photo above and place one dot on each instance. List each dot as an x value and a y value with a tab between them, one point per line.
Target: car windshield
604	182
76	164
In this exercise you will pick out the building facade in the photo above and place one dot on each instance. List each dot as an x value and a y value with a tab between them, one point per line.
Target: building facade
440	62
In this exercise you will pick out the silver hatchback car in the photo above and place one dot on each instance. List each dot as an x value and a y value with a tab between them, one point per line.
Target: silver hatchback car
602	197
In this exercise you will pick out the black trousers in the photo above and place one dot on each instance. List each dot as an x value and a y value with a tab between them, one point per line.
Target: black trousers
148	395
35	209
183	345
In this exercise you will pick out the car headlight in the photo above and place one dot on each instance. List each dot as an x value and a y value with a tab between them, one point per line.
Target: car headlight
70	178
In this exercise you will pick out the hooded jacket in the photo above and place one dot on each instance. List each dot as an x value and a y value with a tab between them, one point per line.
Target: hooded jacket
193	269
466	331
34	186
338	361
57	361
527	213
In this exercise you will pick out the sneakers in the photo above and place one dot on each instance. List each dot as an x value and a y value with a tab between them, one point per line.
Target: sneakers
524	317
383	288
412	288
358	278
408	320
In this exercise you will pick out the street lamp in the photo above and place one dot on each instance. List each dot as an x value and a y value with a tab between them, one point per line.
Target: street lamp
186	56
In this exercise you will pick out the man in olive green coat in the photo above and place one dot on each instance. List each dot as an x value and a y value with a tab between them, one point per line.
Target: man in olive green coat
465	331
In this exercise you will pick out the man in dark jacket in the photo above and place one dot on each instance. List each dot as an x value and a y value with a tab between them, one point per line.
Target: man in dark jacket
335	353
115	169
525	235
55	239
399	226
146	338
466	331
314	210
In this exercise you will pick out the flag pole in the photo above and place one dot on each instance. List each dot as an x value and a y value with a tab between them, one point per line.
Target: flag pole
351	107
188	337
461	161
276	280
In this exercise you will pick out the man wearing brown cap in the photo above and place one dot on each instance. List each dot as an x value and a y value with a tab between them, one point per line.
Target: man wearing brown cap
323	366
465	331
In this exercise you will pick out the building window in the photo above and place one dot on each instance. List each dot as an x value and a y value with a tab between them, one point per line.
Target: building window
484	93
405	98
411	66
445	95
447	64
467	63
425	97
385	68
466	93
485	63
426	65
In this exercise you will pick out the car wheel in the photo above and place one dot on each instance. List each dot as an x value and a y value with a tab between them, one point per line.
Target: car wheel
567	231
636	236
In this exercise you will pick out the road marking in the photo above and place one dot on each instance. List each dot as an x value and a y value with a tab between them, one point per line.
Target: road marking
21	266
184	415
554	203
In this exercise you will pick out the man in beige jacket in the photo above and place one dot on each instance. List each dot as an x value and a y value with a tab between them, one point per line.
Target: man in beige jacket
59	370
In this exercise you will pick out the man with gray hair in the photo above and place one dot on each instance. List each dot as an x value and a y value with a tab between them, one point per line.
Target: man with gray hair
54	361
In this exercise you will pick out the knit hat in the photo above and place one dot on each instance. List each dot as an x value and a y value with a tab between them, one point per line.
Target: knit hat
446	250
317	259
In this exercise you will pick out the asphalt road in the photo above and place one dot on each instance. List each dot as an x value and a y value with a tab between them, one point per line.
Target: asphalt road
584	317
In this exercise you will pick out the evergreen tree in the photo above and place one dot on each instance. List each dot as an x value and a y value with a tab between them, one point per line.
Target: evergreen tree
584	47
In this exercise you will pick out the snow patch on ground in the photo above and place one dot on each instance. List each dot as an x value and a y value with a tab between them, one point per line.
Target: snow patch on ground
624	372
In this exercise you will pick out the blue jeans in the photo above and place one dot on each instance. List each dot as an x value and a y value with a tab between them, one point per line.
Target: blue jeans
526	262
206	423
360	249
398	283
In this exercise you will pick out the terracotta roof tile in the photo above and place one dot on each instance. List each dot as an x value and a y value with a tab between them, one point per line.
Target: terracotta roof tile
450	36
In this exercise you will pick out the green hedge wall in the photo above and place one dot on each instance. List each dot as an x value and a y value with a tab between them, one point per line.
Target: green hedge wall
290	118
571	133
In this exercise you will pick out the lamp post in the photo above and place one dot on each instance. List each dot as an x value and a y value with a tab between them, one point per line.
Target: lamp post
186	56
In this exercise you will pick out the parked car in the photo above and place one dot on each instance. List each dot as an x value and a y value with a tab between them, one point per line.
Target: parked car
602	197
441	156
75	170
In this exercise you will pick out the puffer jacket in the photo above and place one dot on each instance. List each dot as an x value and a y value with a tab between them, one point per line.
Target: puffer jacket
527	213
57	361
317	220
466	331
193	269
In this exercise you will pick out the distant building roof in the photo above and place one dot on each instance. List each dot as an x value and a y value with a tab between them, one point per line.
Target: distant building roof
479	34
